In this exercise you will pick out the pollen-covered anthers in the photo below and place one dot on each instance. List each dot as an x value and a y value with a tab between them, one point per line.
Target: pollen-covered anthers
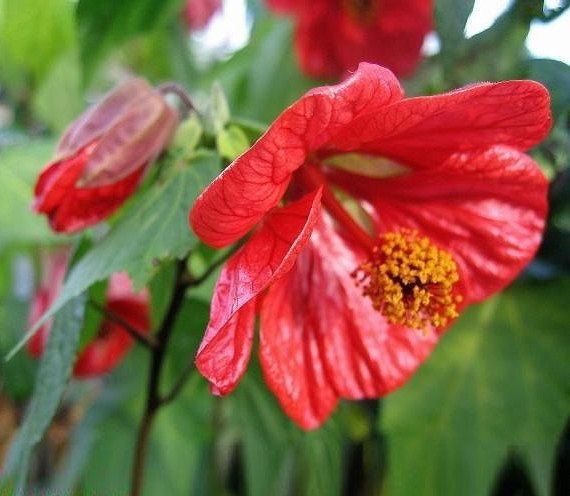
410	281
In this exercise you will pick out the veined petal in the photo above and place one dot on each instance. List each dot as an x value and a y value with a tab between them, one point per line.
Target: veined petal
423	131
255	182
321	340
272	250
488	209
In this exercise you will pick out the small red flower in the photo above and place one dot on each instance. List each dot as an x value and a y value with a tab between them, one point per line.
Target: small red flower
102	156
333	36
197	13
374	220
112	342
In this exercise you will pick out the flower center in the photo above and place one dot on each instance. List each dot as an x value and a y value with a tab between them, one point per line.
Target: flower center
410	281
361	11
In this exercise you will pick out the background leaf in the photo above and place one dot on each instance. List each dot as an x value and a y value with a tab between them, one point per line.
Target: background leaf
34	33
53	374
19	167
450	19
499	381
105	24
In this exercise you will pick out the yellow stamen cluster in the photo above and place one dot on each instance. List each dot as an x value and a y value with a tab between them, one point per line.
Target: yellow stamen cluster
410	281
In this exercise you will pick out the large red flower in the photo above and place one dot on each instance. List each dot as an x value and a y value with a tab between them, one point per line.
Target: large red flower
333	36
102	156
375	219
112	341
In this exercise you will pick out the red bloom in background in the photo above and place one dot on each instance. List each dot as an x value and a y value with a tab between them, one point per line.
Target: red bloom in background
197	13
112	342
334	36
102	156
374	220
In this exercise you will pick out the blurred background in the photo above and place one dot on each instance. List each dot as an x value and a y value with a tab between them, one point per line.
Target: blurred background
488	412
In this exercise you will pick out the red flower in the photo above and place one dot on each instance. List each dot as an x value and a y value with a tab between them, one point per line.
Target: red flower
333	36
102	156
112	342
375	220
197	13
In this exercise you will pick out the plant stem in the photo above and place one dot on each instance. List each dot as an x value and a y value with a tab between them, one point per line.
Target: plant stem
153	399
148	341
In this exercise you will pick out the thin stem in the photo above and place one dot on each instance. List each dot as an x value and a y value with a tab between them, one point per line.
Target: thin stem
147	341
180	92
179	384
153	400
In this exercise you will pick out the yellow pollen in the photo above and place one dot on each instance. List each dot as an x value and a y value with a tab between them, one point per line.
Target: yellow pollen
410	281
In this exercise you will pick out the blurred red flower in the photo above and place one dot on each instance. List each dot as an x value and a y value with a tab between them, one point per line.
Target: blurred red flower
102	156
197	13
333	36
375	219
112	342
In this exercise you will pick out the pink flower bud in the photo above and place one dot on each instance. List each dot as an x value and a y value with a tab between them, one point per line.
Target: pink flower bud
102	156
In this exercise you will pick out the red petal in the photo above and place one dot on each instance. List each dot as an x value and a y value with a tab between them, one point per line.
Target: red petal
422	132
39	304
255	182
487	209
330	42
53	269
271	252
70	208
112	342
320	339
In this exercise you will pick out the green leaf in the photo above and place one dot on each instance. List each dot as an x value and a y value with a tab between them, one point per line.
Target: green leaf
231	142
555	75
59	99
34	33
53	373
498	381
19	167
104	24
450	19
155	228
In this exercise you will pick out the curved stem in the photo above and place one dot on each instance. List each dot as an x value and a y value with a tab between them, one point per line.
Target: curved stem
153	400
180	92
148	341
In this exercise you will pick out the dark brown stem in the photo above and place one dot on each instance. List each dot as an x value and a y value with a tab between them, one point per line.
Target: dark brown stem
153	400
147	341
180	92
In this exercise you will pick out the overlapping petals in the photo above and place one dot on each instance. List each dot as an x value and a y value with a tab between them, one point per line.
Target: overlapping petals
270	253
450	167
256	181
321	341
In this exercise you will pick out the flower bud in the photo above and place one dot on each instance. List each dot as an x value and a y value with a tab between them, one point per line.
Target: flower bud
105	351
102	156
